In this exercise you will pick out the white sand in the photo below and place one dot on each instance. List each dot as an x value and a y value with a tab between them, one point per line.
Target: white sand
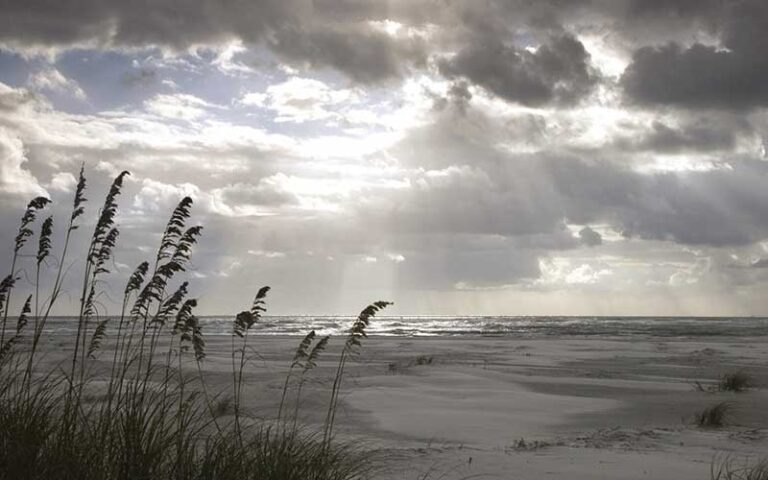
587	408
599	408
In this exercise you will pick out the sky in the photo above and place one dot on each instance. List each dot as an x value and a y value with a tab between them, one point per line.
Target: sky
476	157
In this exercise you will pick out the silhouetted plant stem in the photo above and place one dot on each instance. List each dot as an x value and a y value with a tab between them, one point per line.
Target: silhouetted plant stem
23	234
8	298
298	357
49	427
77	211
207	397
242	324
355	335
309	363
99	251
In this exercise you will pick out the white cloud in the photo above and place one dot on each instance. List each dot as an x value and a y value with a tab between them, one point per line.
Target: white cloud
53	80
14	178
178	106
560	272
63	182
228	64
267	254
693	273
156	196
585	274
301	100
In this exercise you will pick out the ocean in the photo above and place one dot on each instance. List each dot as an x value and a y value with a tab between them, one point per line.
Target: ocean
538	326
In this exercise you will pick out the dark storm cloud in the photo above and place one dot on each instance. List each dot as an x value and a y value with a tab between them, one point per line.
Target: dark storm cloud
704	76
558	71
716	208
262	194
475	195
137	24
665	8
449	268
589	237
298	30
693	137
475	187
762	263
365	55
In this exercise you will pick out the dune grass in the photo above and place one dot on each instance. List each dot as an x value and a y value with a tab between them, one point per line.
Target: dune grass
726	468
735	382
715	416
151	418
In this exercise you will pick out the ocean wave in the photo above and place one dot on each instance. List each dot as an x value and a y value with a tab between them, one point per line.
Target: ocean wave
491	326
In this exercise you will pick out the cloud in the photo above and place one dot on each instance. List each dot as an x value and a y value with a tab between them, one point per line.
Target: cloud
458	144
50	79
177	106
63	182
556	72
301	99
296	30
15	180
762	263
11	99
717	207
268	192
701	137
472	184
363	53
731	75
140	77
589	237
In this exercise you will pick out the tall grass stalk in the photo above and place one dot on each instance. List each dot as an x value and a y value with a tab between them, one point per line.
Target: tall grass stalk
148	419
351	347
240	328
23	234
77	210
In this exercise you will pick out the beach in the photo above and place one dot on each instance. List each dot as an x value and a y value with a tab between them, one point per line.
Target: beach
501	407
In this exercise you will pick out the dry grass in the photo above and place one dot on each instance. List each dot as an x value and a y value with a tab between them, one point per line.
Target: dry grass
151	419
715	416
736	382
727	468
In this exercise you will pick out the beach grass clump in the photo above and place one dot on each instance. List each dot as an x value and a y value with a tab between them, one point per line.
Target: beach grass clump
735	382
715	416
726	468
151	415
424	360
273	453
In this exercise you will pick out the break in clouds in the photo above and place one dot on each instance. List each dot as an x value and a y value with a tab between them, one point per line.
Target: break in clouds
457	157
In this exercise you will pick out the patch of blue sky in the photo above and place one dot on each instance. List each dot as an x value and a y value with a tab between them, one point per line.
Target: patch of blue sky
106	78
114	80
14	69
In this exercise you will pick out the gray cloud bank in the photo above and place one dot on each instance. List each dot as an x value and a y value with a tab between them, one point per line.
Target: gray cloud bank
463	150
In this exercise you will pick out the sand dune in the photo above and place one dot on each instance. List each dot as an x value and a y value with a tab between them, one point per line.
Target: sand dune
575	408
567	408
